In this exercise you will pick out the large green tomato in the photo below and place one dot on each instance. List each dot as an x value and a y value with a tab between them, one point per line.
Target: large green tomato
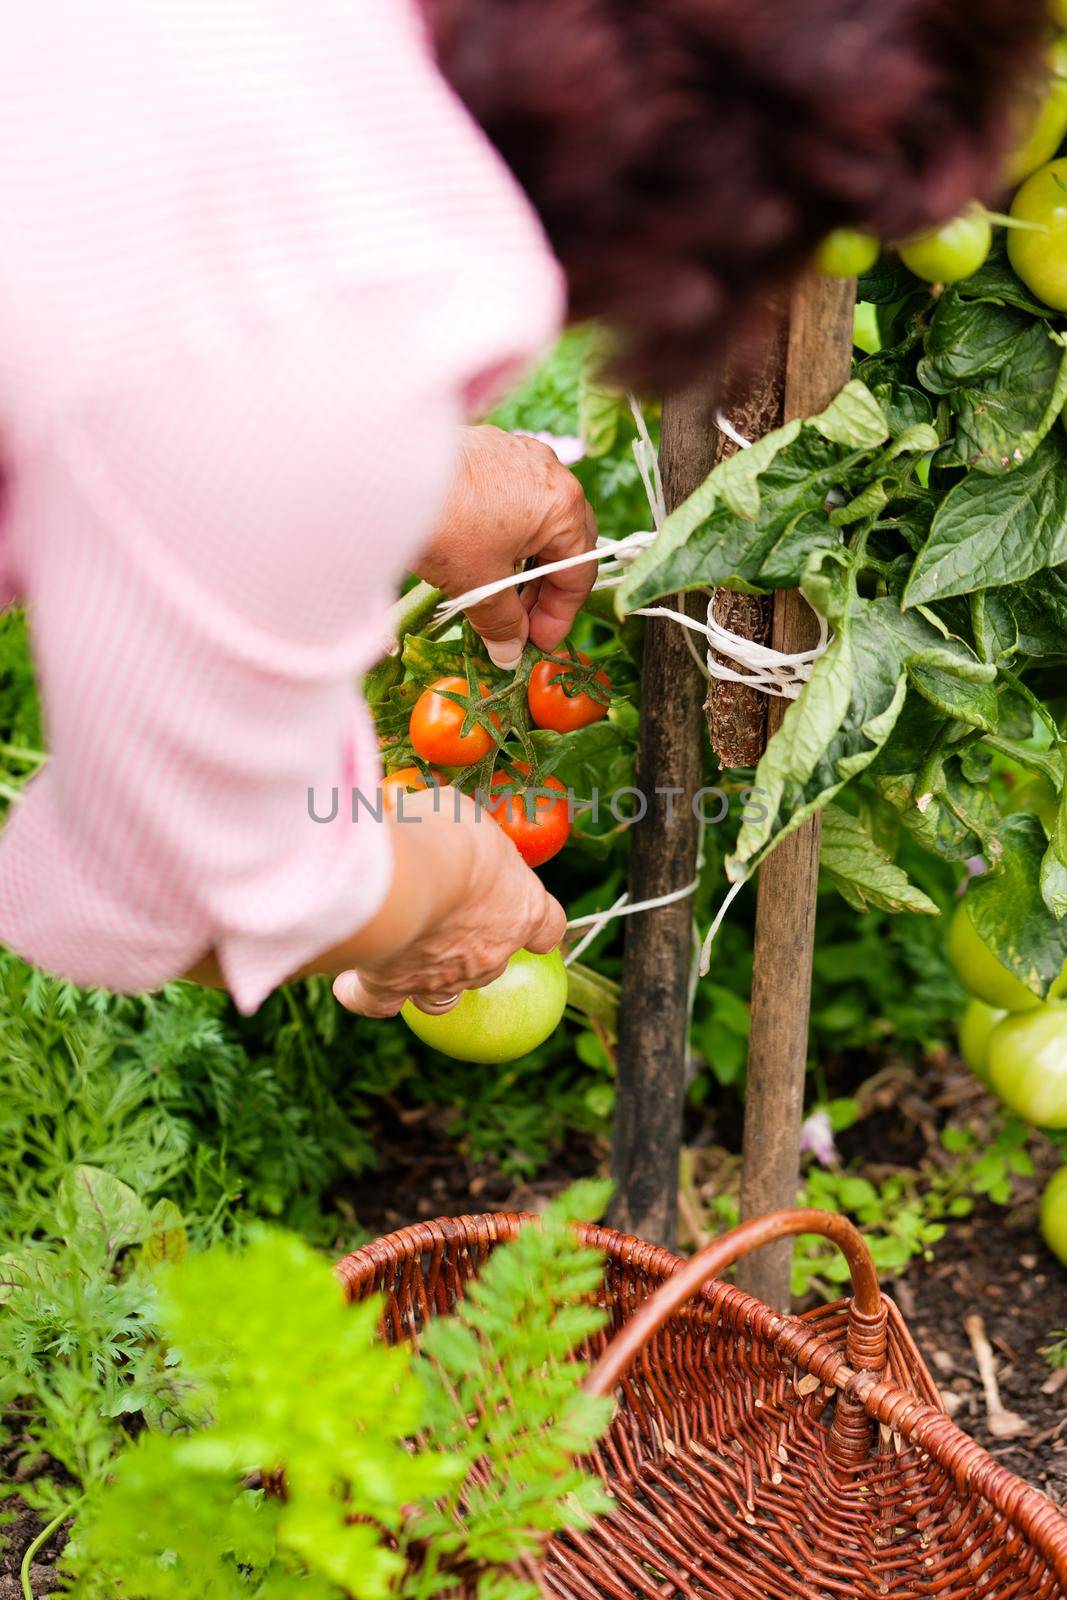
1039	255
845	253
509	1017
1028	1064
1046	129
1054	1215
976	1024
951	252
980	972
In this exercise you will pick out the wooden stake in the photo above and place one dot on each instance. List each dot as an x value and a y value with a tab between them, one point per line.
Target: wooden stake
752	399
818	365
658	952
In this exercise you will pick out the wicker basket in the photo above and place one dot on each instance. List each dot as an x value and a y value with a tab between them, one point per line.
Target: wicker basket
755	1456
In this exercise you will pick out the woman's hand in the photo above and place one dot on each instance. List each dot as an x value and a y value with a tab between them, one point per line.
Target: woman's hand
462	901
511	499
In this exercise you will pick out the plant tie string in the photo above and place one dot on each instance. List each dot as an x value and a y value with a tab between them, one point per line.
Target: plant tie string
596	920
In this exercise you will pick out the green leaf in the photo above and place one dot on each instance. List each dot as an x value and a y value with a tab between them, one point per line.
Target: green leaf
969	339
731	524
1039	607
854	419
599	756
950	817
166	1239
1054	863
862	871
1001	421
903	406
996	283
600	409
846	712
1009	912
792	756
992	531
97	1205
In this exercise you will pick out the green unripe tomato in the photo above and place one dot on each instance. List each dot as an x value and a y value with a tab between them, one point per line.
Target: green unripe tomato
1028	1064
1037	796
1057	10
976	1024
1054	1215
1039	255
1045	127
509	1017
978	969
845	253
951	252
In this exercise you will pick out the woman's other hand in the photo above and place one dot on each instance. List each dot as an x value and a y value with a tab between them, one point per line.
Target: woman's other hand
462	901
512	499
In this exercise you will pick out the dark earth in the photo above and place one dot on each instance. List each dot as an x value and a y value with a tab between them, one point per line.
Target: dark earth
992	1264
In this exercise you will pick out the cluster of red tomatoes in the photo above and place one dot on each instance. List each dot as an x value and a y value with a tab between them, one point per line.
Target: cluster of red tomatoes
534	815
1017	1045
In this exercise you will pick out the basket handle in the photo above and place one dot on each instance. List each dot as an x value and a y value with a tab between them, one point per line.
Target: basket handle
866	1344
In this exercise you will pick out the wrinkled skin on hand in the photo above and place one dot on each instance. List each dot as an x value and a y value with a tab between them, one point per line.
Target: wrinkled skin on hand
512	499
462	902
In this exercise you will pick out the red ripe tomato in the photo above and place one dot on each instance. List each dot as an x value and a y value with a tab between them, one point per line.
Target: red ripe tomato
407	780
436	723
559	702
537	829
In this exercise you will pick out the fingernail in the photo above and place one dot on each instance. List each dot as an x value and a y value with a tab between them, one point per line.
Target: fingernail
504	653
345	988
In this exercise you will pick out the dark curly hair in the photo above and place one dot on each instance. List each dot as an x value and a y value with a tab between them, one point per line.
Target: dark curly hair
686	156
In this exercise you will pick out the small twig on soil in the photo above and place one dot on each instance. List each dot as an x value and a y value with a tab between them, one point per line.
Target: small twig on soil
1002	1424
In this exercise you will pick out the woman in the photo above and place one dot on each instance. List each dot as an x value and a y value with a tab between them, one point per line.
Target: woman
260	265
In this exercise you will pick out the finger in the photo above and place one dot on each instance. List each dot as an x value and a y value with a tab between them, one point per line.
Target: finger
436	1005
503	624
352	993
561	595
548	930
491	976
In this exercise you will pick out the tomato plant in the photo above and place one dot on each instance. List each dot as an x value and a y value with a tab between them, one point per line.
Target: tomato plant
536	823
437	724
562	694
845	253
1028	1064
1054	1214
510	1016
953	251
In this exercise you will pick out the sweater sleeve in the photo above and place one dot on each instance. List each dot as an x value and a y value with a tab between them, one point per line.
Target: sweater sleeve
209	559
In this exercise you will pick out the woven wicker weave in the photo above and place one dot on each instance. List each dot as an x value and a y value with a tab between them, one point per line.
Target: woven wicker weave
755	1456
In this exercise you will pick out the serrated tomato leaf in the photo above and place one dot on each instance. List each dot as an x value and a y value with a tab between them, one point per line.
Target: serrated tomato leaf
993	531
863	871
